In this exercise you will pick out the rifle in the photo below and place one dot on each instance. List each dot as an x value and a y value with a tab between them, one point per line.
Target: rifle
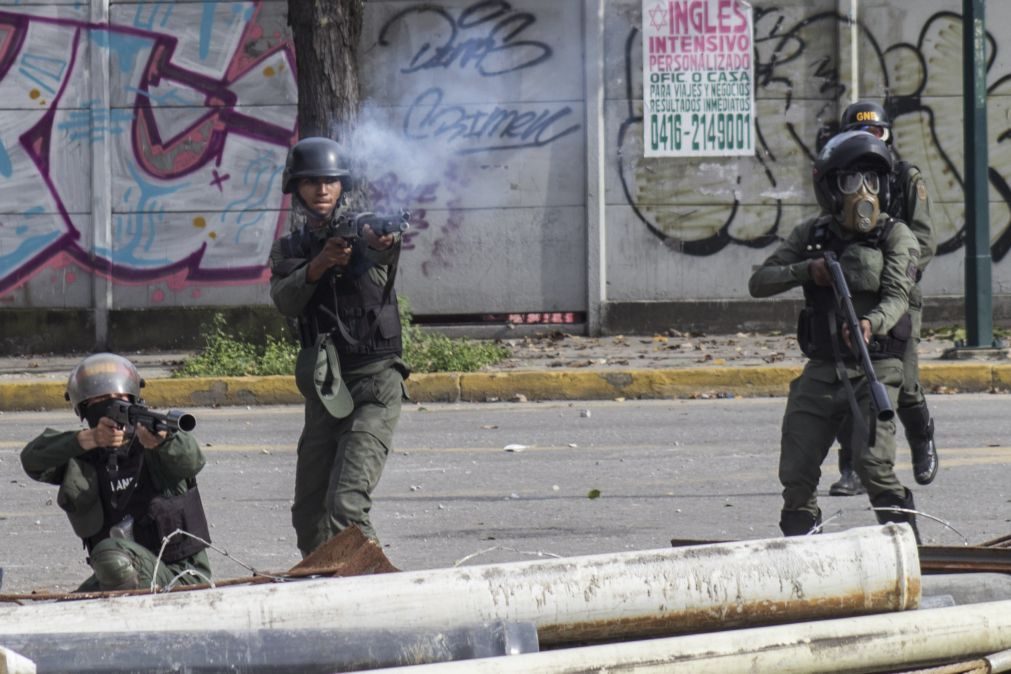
844	300
139	414
349	226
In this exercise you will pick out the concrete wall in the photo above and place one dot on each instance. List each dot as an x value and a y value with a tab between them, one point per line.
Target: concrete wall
141	145
717	218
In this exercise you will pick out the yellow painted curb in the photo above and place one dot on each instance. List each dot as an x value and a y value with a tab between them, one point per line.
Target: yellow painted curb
39	395
214	391
1002	377
958	377
532	384
603	385
434	387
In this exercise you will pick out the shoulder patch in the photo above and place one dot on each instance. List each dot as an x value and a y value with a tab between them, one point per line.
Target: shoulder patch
921	190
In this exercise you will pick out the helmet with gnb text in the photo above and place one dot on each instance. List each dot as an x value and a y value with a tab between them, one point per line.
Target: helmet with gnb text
867	116
102	374
315	157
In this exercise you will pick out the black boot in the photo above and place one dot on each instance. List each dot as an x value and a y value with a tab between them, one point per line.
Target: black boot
920	435
891	500
798	522
848	483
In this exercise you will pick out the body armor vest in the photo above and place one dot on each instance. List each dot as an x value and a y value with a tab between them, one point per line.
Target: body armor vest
814	333
360	314
126	488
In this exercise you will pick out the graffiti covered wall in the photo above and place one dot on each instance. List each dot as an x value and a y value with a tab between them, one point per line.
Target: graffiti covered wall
717	218
173	116
141	146
477	113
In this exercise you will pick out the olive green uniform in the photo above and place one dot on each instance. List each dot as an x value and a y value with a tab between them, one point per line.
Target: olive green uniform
912	206
54	457
917	214
880	279
341	460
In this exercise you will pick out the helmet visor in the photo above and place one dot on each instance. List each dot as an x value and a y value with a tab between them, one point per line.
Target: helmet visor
319	180
849	182
873	129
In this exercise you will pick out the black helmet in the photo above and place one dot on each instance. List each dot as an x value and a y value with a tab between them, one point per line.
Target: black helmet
849	150
861	115
312	158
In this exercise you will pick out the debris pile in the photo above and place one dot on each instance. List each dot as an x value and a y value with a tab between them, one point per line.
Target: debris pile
852	601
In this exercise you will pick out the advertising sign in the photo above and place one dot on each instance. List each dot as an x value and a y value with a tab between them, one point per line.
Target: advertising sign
698	78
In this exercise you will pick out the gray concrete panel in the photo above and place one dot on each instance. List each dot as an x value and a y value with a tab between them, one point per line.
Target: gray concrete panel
475	155
647	263
524	50
497	260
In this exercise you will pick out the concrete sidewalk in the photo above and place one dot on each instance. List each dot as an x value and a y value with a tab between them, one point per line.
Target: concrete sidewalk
552	366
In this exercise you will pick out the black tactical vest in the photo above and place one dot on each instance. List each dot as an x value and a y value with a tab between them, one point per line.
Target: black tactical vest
813	325
359	313
127	488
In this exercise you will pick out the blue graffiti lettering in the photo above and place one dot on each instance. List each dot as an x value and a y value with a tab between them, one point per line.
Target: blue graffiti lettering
428	118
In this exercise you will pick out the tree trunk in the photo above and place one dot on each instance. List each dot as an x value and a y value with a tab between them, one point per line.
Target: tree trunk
326	34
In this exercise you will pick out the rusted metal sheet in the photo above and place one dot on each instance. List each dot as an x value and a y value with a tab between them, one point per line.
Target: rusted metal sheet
349	553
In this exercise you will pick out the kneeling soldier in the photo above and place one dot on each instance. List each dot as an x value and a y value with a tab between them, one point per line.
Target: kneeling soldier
124	488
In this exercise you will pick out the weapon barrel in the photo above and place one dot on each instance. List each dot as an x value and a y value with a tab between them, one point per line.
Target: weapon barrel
183	421
879	394
133	414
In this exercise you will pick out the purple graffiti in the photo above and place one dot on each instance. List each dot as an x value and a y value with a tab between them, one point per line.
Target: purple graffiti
195	166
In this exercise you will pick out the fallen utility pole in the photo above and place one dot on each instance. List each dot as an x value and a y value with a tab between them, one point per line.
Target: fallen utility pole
578	599
266	651
15	663
866	644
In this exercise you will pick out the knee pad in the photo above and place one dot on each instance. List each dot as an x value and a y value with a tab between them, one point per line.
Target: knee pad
114	569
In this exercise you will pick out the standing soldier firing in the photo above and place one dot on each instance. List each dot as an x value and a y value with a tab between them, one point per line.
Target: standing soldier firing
339	288
878	255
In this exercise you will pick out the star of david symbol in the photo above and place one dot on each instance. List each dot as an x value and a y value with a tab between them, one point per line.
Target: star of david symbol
658	17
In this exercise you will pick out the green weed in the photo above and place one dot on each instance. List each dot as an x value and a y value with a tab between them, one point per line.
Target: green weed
226	355
431	352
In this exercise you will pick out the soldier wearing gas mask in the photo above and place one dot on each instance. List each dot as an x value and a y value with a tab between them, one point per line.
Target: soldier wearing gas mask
124	489
350	369
908	201
878	255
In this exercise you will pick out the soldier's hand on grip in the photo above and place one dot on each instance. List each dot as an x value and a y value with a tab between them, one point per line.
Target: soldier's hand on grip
818	270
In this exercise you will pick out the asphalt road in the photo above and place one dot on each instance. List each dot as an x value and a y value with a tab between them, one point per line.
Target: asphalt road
452	492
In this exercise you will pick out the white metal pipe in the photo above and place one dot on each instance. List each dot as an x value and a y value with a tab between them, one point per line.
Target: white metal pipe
864	644
12	663
999	662
854	50
647	593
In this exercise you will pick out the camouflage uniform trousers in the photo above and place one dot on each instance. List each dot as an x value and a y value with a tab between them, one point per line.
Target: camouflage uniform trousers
340	461
817	410
911	393
189	571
